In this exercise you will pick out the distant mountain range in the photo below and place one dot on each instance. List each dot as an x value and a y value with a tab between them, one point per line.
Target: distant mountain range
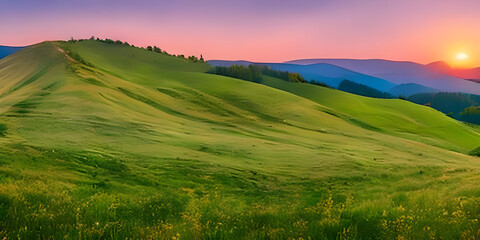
6	50
403	73
396	78
323	72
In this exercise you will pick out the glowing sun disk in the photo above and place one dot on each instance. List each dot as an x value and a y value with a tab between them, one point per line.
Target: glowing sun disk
462	56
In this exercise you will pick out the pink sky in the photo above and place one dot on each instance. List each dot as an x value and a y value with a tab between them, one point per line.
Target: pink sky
261	30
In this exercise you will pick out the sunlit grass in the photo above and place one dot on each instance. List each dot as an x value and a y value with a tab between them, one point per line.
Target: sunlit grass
38	206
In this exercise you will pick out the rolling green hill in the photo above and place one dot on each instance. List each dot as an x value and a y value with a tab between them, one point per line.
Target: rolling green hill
391	116
111	141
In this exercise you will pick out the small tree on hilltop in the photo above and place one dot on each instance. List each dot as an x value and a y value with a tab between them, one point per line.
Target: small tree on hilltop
193	59
149	48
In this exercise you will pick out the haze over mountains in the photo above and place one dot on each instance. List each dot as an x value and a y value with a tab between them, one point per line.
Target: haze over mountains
464	73
394	77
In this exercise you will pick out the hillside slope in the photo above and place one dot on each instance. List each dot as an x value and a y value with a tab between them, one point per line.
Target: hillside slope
391	116
111	141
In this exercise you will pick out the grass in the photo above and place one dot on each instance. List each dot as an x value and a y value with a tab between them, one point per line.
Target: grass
145	146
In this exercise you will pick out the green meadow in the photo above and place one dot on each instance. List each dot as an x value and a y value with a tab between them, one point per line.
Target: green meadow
106	141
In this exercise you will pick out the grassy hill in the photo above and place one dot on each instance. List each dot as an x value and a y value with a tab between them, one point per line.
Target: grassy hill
110	141
391	116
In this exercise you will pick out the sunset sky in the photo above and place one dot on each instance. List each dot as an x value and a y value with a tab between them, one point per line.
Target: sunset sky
260	30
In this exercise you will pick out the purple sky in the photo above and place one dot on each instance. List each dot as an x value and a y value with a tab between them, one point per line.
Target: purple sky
259	30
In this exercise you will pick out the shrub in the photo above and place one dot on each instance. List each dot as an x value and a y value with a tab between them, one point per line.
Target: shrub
3	130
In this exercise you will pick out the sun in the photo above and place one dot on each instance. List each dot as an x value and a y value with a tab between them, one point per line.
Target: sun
462	56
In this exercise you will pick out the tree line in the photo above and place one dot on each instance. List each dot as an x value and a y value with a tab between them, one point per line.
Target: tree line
471	114
461	106
149	48
253	73
362	90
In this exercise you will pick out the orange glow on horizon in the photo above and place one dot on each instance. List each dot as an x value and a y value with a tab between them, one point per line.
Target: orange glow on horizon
461	55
